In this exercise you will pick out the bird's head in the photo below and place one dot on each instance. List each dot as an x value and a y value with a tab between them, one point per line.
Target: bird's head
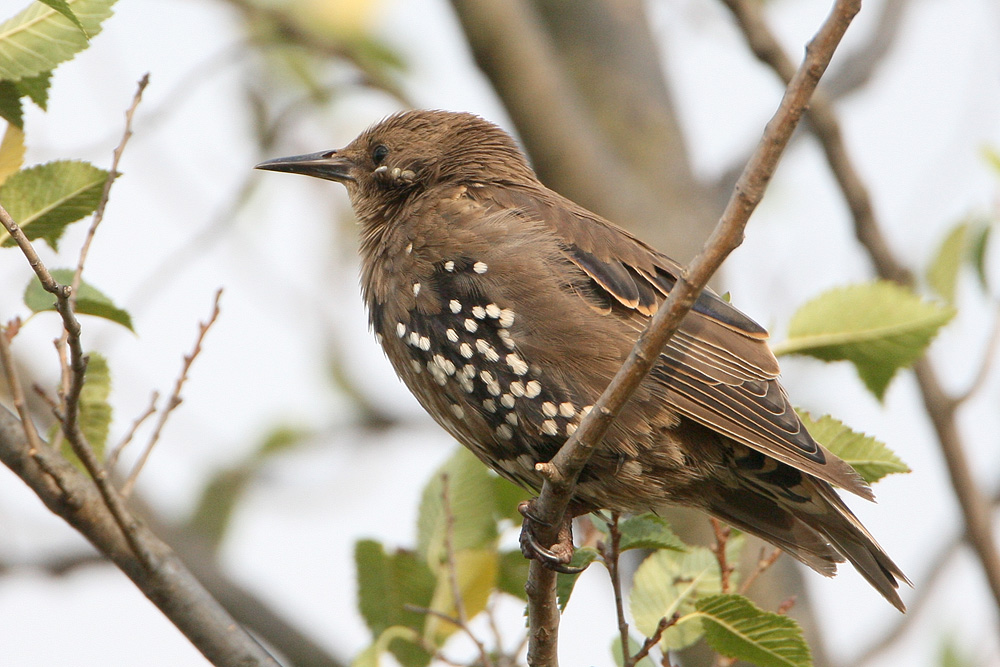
413	151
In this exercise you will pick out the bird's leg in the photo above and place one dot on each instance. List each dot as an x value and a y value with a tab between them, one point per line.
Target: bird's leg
555	557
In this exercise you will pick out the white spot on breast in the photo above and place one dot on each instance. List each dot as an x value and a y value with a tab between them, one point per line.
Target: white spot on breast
511	418
487	350
416	366
549	427
506	317
424	343
505	431
416	289
491	383
585	410
455	306
478	312
449	265
452	335
468	371
480	267
448	366
507	400
414	339
532	388
517	388
400	329
570	429
465	350
490	405
566	409
517	364
471	326
506	338
457	410
549	409
493	310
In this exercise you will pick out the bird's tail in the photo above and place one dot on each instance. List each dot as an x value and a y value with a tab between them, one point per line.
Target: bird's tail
810	522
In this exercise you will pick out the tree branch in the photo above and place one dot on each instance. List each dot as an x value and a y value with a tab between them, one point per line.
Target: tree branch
941	408
557	490
169	585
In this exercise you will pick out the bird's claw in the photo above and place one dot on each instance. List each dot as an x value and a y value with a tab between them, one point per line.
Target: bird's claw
558	556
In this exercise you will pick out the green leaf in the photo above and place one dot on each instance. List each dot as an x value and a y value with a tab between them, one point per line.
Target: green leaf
513	574
870	457
669	582
648	531
386	583
36	88
736	628
472	502
633	647
89	300
879	327
10	104
62	7
40	37
95	411
46	198
565	583
508	496
476	575
401	641
942	274
977	255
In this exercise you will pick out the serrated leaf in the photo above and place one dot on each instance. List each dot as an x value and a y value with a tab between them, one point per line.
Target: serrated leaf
386	583
648	531
36	88
879	327
89	300
736	628
472	503
39	38
942	274
633	648
669	582
62	7
476	574
46	198
871	458
513	574
11	152
565	583
10	104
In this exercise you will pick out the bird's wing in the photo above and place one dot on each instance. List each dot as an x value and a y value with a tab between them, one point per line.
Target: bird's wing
717	367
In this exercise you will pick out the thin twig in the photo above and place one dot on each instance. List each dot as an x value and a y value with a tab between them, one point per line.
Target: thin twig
116	157
722	533
556	493
941	408
71	400
112	458
654	639
452	565
175	396
611	551
763	565
985	364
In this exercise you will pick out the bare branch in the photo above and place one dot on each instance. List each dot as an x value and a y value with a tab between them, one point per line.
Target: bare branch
168	584
554	499
940	407
175	396
109	463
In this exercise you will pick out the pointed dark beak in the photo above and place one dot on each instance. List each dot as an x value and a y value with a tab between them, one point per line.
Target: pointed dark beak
329	165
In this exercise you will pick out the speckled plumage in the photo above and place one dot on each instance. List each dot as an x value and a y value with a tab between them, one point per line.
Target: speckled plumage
506	309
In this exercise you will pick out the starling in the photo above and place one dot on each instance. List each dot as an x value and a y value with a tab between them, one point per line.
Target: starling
506	309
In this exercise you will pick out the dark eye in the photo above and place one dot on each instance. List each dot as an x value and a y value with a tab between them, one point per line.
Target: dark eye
379	153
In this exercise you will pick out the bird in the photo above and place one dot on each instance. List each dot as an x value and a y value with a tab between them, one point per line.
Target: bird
506	309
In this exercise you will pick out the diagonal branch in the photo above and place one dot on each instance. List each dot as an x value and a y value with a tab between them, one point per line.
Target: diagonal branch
941	408
565	467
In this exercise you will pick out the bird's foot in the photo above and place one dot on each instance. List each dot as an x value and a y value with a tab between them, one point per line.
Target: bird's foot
555	557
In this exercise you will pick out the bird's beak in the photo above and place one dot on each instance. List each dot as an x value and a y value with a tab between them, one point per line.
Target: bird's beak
329	165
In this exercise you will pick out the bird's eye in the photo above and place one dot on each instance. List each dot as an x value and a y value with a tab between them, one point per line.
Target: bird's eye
379	153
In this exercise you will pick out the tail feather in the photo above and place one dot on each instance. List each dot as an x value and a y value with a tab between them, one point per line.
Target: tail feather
811	523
